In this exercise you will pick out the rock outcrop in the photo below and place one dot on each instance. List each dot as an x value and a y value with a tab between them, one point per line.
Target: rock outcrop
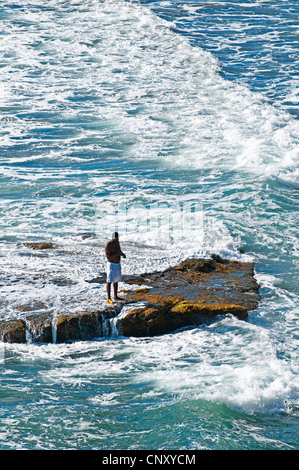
157	303
39	245
189	294
12	331
61	328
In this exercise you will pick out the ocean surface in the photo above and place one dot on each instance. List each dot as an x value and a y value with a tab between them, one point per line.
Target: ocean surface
175	123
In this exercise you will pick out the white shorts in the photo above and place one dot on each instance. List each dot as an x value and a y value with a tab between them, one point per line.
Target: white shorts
113	272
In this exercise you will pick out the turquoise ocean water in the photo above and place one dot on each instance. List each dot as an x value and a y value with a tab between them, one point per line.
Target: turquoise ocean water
175	122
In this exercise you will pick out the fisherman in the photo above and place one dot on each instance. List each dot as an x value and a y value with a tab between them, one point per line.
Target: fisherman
113	255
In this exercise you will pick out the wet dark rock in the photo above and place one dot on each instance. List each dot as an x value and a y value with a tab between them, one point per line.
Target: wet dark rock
100	279
69	327
86	235
219	259
12	331
197	266
39	328
86	325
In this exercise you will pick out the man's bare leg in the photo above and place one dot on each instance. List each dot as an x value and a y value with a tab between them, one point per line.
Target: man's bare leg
108	288
115	288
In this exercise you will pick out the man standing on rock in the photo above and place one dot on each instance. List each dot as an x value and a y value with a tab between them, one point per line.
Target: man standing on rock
113	255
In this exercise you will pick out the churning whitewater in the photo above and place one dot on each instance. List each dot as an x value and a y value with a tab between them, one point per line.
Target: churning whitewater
143	117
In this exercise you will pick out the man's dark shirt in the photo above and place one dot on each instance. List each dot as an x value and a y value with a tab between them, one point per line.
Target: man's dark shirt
113	251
